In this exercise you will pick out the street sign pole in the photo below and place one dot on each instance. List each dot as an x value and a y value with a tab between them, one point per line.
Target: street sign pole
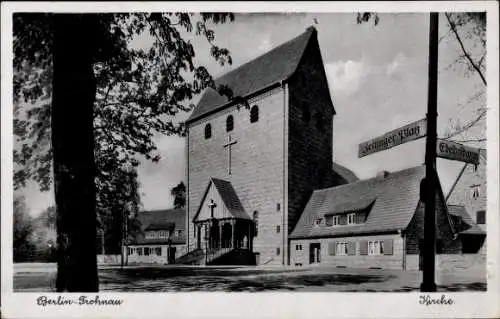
429	249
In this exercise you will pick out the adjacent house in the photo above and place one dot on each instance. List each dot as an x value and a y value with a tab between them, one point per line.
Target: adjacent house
373	223
161	239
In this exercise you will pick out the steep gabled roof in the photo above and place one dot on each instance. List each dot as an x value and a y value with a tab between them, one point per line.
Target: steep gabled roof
279	64
462	221
162	219
395	197
228	196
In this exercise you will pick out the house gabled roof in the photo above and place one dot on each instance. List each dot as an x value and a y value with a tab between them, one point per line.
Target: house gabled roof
162	219
228	196
395	197
462	221
277	65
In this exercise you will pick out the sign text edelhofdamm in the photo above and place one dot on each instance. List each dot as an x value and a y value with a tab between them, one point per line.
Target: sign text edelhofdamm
457	152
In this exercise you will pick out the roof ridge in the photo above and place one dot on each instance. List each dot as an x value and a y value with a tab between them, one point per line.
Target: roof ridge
308	30
391	174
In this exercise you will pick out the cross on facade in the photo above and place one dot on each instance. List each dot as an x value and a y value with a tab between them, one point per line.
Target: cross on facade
228	145
212	206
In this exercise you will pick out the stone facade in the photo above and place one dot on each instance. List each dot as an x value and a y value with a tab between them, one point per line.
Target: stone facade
463	191
276	161
257	167
309	142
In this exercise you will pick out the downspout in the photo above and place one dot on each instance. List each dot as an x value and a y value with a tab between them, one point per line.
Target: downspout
285	158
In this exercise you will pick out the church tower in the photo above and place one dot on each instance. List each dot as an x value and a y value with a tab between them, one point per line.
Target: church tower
253	161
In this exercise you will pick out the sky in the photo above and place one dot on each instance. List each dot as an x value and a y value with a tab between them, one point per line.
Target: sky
378	81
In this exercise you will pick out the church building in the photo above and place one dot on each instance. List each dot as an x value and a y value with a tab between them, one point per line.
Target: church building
254	160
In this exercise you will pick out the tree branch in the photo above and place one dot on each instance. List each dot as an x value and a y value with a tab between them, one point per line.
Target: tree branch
470	140
467	126
467	55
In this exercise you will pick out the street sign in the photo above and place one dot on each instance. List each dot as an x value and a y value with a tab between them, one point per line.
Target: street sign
457	152
407	133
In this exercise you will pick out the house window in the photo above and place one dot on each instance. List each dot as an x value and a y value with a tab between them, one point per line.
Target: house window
481	217
278	207
474	191
298	247
139	251
178	233
229	123
375	248
158	251
254	114
208	131
278	228
341	249
256	223
146	251
350	219
318	221
277	251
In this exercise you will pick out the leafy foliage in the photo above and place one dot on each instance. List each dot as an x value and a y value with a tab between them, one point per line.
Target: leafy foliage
139	90
179	193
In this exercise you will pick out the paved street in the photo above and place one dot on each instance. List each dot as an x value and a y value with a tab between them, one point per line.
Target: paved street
41	277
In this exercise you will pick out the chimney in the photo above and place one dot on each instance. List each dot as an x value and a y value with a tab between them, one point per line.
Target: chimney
382	174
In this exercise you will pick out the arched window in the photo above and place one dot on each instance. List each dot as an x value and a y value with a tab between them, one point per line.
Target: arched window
229	123
208	131
306	115
320	125
254	114
256	223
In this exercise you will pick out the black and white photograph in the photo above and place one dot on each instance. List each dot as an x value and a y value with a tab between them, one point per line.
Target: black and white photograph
239	152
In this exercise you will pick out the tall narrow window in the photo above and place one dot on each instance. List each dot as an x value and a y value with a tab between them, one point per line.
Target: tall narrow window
254	114
256	223
229	123
208	131
350	219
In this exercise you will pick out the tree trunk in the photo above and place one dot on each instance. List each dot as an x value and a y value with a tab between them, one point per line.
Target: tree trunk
73	98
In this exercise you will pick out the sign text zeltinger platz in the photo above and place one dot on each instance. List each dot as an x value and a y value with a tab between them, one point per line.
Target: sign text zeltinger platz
407	133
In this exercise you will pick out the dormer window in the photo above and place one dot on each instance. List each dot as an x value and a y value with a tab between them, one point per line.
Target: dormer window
318	221
350	218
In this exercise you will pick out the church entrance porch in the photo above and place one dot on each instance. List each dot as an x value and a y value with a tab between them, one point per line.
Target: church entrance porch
224	233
